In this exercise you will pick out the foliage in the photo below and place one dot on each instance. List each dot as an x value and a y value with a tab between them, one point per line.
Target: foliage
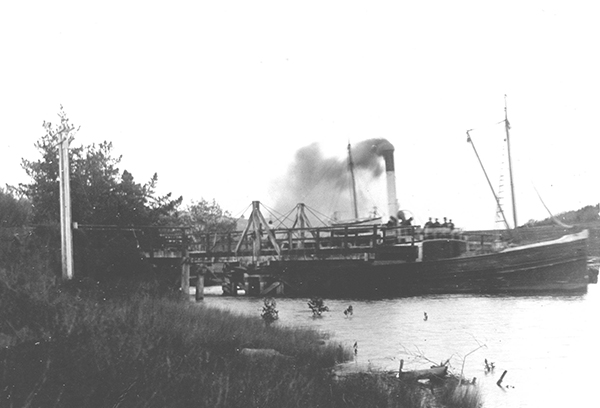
269	311
589	213
26	260
100	194
317	306
204	216
14	212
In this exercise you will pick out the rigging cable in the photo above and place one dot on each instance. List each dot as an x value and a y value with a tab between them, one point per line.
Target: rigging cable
556	220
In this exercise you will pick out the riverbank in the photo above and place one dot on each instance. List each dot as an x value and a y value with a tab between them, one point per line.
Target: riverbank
136	343
84	346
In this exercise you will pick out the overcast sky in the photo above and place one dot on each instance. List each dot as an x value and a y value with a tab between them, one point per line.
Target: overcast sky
217	96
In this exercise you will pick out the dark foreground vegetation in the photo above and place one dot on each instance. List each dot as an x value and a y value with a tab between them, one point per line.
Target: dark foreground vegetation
79	350
137	344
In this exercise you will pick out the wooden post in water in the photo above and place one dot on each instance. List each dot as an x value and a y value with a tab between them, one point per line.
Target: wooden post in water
185	266
262	284
499	383
200	285
345	243
374	239
280	289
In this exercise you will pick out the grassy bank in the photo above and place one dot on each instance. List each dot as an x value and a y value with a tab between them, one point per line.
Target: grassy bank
135	345
156	352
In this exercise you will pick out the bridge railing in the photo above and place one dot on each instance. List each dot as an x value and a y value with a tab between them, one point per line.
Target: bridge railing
304	239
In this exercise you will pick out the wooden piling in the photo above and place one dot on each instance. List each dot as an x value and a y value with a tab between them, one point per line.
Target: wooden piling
200	287
185	266
185	276
262	284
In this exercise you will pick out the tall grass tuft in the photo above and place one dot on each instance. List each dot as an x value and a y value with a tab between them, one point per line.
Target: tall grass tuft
455	394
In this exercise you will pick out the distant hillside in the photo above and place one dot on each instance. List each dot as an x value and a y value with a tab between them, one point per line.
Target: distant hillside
587	214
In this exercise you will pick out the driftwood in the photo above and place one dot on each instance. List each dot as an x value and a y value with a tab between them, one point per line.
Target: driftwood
263	353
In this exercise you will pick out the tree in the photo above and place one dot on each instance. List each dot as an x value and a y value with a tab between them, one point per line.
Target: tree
203	216
100	194
14	212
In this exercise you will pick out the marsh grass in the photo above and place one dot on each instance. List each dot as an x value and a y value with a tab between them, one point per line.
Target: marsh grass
453	394
134	344
377	389
161	352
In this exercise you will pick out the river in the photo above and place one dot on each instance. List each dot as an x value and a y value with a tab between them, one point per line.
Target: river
547	344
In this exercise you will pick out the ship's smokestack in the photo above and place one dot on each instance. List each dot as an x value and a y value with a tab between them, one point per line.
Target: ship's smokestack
386	149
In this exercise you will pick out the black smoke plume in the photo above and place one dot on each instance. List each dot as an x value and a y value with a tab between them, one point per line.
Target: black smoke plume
324	183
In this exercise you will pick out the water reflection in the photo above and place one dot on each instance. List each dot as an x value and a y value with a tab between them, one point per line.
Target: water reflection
546	343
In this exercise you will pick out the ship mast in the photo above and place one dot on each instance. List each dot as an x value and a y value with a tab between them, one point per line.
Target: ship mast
351	167
469	140
510	173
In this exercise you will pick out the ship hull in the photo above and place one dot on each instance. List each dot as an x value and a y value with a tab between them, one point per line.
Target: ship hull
556	266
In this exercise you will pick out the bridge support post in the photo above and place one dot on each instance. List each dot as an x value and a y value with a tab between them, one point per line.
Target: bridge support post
262	285
200	287
185	277
185	266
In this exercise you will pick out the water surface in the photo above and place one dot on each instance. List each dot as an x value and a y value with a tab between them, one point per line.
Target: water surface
548	344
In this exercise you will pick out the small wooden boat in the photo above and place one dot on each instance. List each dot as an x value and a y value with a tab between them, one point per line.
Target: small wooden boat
351	368
435	372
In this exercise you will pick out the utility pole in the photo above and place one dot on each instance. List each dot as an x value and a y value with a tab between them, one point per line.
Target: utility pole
66	233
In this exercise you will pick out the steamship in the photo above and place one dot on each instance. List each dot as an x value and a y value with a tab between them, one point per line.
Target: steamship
366	258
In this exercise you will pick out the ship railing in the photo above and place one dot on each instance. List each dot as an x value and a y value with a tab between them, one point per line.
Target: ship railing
441	233
484	243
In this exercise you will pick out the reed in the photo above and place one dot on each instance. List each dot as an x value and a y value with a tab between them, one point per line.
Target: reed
457	394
